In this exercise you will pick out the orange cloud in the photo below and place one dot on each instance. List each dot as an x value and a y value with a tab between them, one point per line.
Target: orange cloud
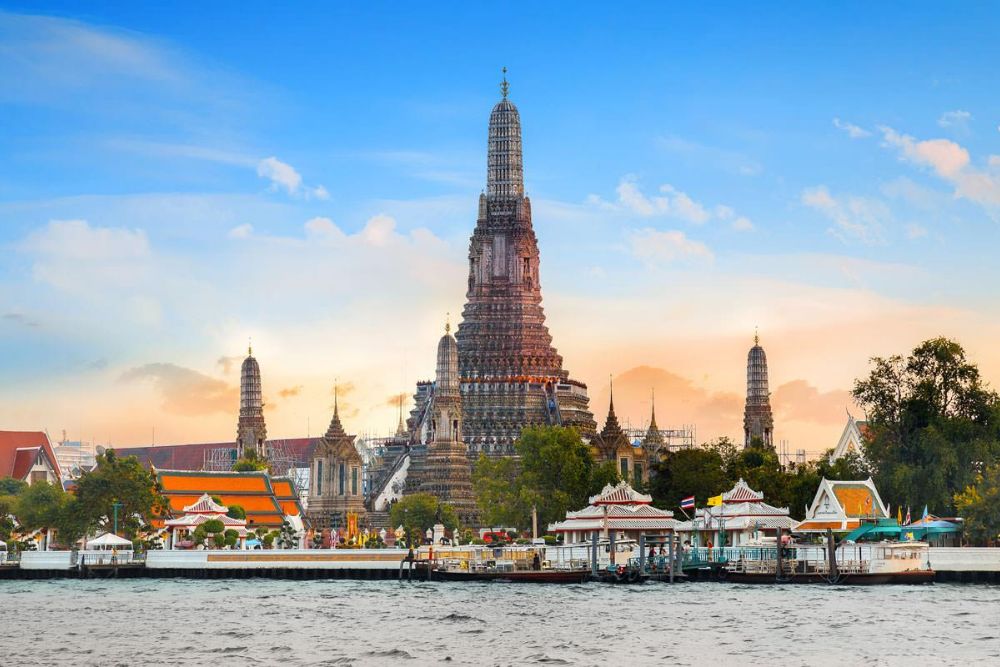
185	391
289	392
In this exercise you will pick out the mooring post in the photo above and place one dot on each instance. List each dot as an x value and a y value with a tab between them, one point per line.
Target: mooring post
593	553
777	556
611	547
831	551
642	553
673	561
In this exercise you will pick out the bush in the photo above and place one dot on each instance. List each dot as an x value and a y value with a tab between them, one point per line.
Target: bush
550	540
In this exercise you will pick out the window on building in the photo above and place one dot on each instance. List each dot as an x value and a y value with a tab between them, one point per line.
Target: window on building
342	478
354	481
623	463
319	477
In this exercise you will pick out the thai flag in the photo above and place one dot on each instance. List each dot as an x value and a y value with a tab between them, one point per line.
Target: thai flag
688	503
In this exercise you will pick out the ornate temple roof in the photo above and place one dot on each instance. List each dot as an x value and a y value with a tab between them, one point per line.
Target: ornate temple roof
206	504
653	438
447	365
621	493
505	168
741	493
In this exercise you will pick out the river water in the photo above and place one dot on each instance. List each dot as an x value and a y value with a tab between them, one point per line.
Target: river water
263	621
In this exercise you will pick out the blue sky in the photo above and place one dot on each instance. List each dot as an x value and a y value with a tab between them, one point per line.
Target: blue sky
174	181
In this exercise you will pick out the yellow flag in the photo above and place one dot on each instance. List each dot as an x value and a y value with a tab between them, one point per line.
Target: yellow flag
899	515
715	501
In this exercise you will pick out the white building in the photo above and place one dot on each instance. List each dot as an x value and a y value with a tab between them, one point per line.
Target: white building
840	505
851	440
616	509
742	517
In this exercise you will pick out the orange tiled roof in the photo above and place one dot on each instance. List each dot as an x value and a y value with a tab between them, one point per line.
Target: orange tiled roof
856	500
29	442
253	491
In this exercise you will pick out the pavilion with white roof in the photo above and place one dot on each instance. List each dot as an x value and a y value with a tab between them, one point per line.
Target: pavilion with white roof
616	509
742	517
202	510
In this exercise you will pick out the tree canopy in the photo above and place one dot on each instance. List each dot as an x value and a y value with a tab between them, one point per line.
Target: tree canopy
979	505
419	511
554	472
119	480
933	425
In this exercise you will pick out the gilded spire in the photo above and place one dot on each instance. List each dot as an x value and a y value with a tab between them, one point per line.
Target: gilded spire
504	86
249	346
756	336
447	323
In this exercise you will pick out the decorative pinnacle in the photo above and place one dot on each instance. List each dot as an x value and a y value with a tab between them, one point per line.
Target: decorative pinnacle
249	346
447	322
756	336
504	86
336	407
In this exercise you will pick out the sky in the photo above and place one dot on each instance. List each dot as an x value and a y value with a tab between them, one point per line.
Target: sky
176	181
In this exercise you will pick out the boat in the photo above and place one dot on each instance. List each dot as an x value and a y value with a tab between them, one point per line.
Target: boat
852	563
526	564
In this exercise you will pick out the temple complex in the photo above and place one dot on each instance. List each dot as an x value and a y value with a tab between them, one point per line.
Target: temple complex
268	501
758	423
335	481
447	471
511	375
616	509
739	517
612	444
251	432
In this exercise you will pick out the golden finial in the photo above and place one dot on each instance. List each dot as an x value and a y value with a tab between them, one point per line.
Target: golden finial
505	87
756	336
447	323
249	346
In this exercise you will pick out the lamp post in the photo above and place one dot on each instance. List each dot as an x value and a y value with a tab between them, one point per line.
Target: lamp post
115	506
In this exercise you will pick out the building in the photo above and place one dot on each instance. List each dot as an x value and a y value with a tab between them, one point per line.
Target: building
268	501
447	473
335	479
841	505
758	423
28	456
251	431
75	457
511	375
620	510
180	529
612	444
851	440
741	517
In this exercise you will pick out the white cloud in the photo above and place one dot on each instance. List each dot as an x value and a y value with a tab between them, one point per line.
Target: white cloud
952	163
243	231
957	119
671	202
742	224
915	231
284	176
653	245
684	207
281	174
77	240
854	217
323	228
852	130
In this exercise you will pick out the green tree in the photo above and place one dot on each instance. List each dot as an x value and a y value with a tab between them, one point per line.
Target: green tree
47	507
418	512
249	462
497	485
236	512
696	471
933	424
120	480
606	473
979	505
556	471
12	487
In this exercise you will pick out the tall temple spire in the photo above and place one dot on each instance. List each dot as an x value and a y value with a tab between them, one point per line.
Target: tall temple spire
505	169
511	374
251	431
336	429
758	421
653	439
